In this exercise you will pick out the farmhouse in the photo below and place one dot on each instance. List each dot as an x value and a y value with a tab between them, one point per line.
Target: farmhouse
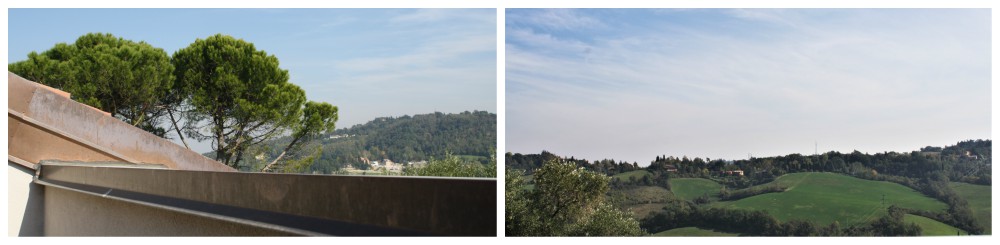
732	172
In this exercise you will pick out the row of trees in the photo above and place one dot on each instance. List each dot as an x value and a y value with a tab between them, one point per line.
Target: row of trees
530	162
681	213
220	89
728	195
967	161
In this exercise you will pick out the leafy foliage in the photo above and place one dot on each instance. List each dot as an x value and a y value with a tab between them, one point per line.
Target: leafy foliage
607	220
130	80
566	201
726	195
452	166
240	97
317	118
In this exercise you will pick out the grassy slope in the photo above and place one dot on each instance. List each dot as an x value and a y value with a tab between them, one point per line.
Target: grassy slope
979	197
637	173
691	188
932	227
644	199
827	197
640	211
692	231
647	194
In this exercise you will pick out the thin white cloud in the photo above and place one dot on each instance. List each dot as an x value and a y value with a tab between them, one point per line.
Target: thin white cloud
442	15
555	19
429	54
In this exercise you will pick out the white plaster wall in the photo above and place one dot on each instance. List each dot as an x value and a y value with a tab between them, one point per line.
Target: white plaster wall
18	192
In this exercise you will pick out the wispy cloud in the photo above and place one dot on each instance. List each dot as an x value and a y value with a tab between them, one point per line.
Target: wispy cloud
427	54
553	19
443	15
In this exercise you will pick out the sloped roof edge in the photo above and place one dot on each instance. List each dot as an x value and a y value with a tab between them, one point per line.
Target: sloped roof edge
41	119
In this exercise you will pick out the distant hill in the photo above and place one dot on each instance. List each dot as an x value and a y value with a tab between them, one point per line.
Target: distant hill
944	189
469	135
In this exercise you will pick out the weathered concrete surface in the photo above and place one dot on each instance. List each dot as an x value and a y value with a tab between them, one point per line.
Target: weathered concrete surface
71	213
40	120
34	143
435	206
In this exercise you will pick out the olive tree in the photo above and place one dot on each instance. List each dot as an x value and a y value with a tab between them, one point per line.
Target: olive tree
238	97
565	201
128	79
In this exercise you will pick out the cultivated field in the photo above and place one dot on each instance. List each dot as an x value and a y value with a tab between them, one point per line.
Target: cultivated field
691	188
826	197
979	197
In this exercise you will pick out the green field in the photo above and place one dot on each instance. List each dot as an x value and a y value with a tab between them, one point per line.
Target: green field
932	227
979	197
826	197
691	188
637	173
692	231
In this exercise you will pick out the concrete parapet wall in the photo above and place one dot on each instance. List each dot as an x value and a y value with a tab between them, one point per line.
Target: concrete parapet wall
307	204
71	213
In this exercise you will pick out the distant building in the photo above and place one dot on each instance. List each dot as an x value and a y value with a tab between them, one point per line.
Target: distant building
968	154
392	166
732	172
338	136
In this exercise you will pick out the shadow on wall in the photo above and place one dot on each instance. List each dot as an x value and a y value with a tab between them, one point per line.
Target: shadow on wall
32	221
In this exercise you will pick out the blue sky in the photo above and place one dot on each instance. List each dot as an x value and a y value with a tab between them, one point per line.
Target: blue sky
368	62
631	84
